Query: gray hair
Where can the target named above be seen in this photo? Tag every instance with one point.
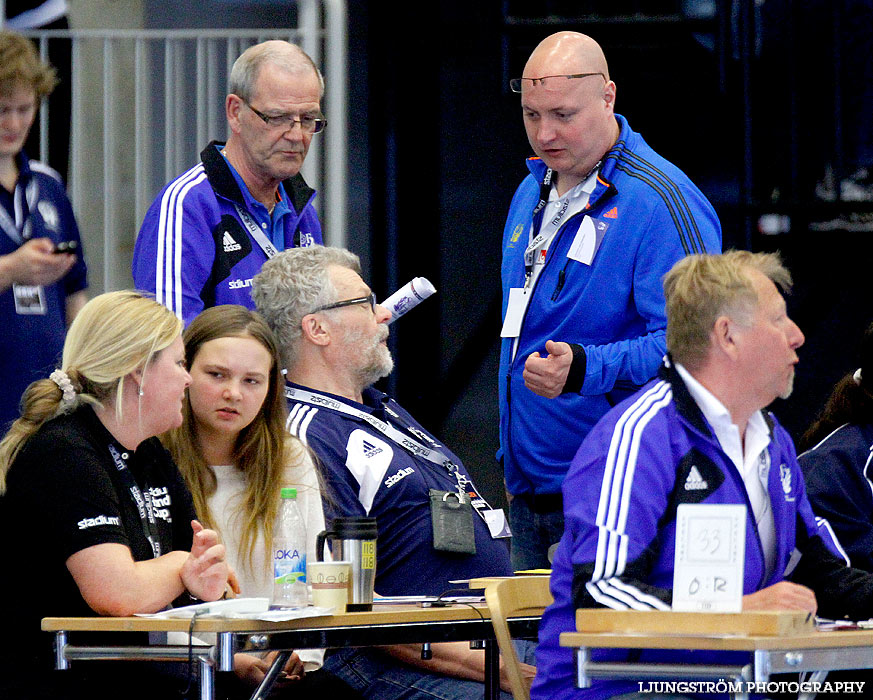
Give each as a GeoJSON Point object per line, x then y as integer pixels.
{"type": "Point", "coordinates": [285, 55]}
{"type": "Point", "coordinates": [700, 288]}
{"type": "Point", "coordinates": [294, 283]}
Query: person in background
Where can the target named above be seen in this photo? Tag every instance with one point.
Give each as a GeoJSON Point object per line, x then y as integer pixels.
{"type": "Point", "coordinates": [209, 231]}
{"type": "Point", "coordinates": [27, 15]}
{"type": "Point", "coordinates": [838, 457]}
{"type": "Point", "coordinates": [235, 455]}
{"type": "Point", "coordinates": [590, 233]}
{"type": "Point", "coordinates": [42, 288]}
{"type": "Point", "coordinates": [93, 512]}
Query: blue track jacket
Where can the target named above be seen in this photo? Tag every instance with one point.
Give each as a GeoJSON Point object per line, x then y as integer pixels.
{"type": "Point", "coordinates": [620, 500]}
{"type": "Point", "coordinates": [193, 251]}
{"type": "Point", "coordinates": [839, 480]}
{"type": "Point", "coordinates": [649, 215]}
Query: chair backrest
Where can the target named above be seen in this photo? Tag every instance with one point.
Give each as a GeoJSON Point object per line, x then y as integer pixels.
{"type": "Point", "coordinates": [513, 597]}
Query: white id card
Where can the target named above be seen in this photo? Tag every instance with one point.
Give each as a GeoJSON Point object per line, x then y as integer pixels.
{"type": "Point", "coordinates": [585, 243]}
{"type": "Point", "coordinates": [518, 299]}
{"type": "Point", "coordinates": [29, 300]}
{"type": "Point", "coordinates": [496, 521]}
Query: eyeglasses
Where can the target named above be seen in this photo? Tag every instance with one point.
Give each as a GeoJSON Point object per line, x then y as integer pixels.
{"type": "Point", "coordinates": [369, 299]}
{"type": "Point", "coordinates": [309, 125]}
{"type": "Point", "coordinates": [516, 83]}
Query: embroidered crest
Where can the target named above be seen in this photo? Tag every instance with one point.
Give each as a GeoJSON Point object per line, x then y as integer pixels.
{"type": "Point", "coordinates": [785, 478]}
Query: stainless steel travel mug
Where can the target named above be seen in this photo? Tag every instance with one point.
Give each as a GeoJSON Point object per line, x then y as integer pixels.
{"type": "Point", "coordinates": [354, 540]}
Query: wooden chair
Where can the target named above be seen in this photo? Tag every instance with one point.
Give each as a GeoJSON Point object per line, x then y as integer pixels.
{"type": "Point", "coordinates": [513, 597]}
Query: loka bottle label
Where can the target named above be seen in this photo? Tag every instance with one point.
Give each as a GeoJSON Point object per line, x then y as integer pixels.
{"type": "Point", "coordinates": [289, 565]}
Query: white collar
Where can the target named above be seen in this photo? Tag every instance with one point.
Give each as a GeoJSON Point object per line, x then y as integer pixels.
{"type": "Point", "coordinates": [584, 188]}
{"type": "Point", "coordinates": [717, 414]}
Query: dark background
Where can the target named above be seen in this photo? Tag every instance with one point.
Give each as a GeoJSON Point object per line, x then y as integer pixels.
{"type": "Point", "coordinates": [447, 149]}
{"type": "Point", "coordinates": [752, 104]}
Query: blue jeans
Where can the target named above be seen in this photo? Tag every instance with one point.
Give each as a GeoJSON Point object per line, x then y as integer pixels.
{"type": "Point", "coordinates": [378, 676]}
{"type": "Point", "coordinates": [532, 535]}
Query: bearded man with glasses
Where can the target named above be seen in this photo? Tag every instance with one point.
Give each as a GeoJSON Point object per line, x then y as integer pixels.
{"type": "Point", "coordinates": [590, 233]}
{"type": "Point", "coordinates": [209, 231]}
{"type": "Point", "coordinates": [379, 462]}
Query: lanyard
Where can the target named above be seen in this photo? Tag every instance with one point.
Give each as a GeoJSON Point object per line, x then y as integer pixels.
{"type": "Point", "coordinates": [256, 232]}
{"type": "Point", "coordinates": [536, 225]}
{"type": "Point", "coordinates": [432, 455]}
{"type": "Point", "coordinates": [536, 242]}
{"type": "Point", "coordinates": [143, 501]}
{"type": "Point", "coordinates": [19, 230]}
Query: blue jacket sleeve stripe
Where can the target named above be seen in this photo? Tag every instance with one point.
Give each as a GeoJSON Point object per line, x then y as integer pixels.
{"type": "Point", "coordinates": [667, 189]}
{"type": "Point", "coordinates": [621, 458]}
{"type": "Point", "coordinates": [824, 440]}
{"type": "Point", "coordinates": [823, 524]}
{"type": "Point", "coordinates": [678, 210]}
{"type": "Point", "coordinates": [168, 268]}
{"type": "Point", "coordinates": [615, 497]}
{"type": "Point", "coordinates": [616, 594]}
{"type": "Point", "coordinates": [632, 157]}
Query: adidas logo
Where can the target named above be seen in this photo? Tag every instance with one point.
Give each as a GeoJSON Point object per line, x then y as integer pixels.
{"type": "Point", "coordinates": [695, 482]}
{"type": "Point", "coordinates": [370, 450]}
{"type": "Point", "coordinates": [230, 245]}
{"type": "Point", "coordinates": [611, 214]}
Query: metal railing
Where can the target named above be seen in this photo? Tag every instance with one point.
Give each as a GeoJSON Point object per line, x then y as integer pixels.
{"type": "Point", "coordinates": [146, 102]}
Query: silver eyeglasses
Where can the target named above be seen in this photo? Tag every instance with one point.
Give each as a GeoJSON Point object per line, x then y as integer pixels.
{"type": "Point", "coordinates": [309, 125]}
{"type": "Point", "coordinates": [516, 83]}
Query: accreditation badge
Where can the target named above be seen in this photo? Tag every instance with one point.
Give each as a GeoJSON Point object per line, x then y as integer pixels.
{"type": "Point", "coordinates": [29, 300]}
{"type": "Point", "coordinates": [452, 521]}
{"type": "Point", "coordinates": [518, 299]}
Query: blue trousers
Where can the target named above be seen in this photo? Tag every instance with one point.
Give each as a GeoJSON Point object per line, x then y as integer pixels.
{"type": "Point", "coordinates": [378, 676]}
{"type": "Point", "coordinates": [532, 535]}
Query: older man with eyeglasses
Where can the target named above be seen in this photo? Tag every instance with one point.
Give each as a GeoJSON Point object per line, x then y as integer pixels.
{"type": "Point", "coordinates": [379, 462]}
{"type": "Point", "coordinates": [591, 231]}
{"type": "Point", "coordinates": [209, 231]}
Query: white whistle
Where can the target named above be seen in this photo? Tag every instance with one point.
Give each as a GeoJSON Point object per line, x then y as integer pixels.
{"type": "Point", "coordinates": [409, 295]}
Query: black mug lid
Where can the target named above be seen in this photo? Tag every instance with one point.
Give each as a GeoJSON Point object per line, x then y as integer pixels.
{"type": "Point", "coordinates": [355, 528]}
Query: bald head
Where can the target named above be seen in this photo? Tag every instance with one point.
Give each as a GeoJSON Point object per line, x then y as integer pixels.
{"type": "Point", "coordinates": [566, 52]}
{"type": "Point", "coordinates": [569, 118]}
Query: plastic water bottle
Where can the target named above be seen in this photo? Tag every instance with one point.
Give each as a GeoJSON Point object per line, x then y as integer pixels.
{"type": "Point", "coordinates": [289, 554]}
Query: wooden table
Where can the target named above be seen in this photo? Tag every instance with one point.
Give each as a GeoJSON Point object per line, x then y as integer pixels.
{"type": "Point", "coordinates": [793, 652]}
{"type": "Point", "coordinates": [386, 624]}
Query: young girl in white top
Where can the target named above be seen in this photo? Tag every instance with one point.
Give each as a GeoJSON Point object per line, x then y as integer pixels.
{"type": "Point", "coordinates": [236, 455]}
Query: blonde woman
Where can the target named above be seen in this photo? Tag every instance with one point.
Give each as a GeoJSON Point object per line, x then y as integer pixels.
{"type": "Point", "coordinates": [236, 455]}
{"type": "Point", "coordinates": [94, 515]}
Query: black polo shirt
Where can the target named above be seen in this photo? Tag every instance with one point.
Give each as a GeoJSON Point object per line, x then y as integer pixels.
{"type": "Point", "coordinates": [65, 494]}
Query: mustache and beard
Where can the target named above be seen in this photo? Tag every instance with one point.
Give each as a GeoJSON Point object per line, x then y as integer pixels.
{"type": "Point", "coordinates": [786, 392]}
{"type": "Point", "coordinates": [375, 361]}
